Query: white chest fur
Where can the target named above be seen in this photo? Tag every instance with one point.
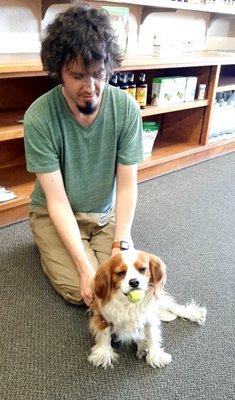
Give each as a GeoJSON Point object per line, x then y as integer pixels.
{"type": "Point", "coordinates": [129, 319]}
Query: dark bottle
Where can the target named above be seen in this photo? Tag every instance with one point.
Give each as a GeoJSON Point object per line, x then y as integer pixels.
{"type": "Point", "coordinates": [131, 84]}
{"type": "Point", "coordinates": [114, 81]}
{"type": "Point", "coordinates": [141, 91]}
{"type": "Point", "coordinates": [123, 82]}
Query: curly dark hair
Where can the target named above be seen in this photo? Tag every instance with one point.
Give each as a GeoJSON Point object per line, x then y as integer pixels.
{"type": "Point", "coordinates": [80, 31]}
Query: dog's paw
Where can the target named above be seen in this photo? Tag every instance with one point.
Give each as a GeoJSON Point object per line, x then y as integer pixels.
{"type": "Point", "coordinates": [141, 353]}
{"type": "Point", "coordinates": [102, 357]}
{"type": "Point", "coordinates": [158, 358]}
{"type": "Point", "coordinates": [142, 349]}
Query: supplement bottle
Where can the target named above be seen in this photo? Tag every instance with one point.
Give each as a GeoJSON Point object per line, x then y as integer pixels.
{"type": "Point", "coordinates": [123, 82]}
{"type": "Point", "coordinates": [141, 91]}
{"type": "Point", "coordinates": [114, 81]}
{"type": "Point", "coordinates": [131, 84]}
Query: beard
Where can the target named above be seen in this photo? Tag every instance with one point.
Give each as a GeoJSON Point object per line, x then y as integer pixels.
{"type": "Point", "coordinates": [88, 109]}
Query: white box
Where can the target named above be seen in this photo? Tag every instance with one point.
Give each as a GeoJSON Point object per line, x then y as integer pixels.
{"type": "Point", "coordinates": [190, 89]}
{"type": "Point", "coordinates": [163, 91]}
{"type": "Point", "coordinates": [179, 90]}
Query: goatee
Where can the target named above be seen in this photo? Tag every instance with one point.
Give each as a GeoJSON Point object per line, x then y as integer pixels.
{"type": "Point", "coordinates": [88, 109]}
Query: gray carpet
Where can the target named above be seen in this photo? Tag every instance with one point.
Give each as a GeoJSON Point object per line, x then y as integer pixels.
{"type": "Point", "coordinates": [187, 218]}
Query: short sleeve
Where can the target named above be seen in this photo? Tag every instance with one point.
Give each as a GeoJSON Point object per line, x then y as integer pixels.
{"type": "Point", "coordinates": [41, 156]}
{"type": "Point", "coordinates": [130, 142]}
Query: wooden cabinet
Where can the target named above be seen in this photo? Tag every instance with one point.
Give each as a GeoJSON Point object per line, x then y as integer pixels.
{"type": "Point", "coordinates": [182, 141]}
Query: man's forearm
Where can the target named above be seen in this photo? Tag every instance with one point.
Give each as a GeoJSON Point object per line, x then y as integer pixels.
{"type": "Point", "coordinates": [124, 213]}
{"type": "Point", "coordinates": [68, 230]}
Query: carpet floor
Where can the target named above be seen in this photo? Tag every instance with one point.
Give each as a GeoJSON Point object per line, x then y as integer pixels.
{"type": "Point", "coordinates": [187, 218]}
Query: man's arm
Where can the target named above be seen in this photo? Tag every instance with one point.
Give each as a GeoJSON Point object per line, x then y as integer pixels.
{"type": "Point", "coordinates": [66, 225]}
{"type": "Point", "coordinates": [126, 197]}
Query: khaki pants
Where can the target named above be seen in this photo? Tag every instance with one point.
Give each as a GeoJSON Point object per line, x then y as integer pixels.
{"type": "Point", "coordinates": [97, 233]}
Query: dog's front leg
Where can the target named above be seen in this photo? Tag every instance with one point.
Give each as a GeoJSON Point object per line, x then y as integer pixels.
{"type": "Point", "coordinates": [156, 355]}
{"type": "Point", "coordinates": [102, 353]}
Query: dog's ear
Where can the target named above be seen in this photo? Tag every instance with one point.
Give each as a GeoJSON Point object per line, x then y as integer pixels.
{"type": "Point", "coordinates": [157, 272]}
{"type": "Point", "coordinates": [102, 281]}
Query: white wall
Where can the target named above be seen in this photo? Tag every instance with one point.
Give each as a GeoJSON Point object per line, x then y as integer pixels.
{"type": "Point", "coordinates": [20, 26]}
{"type": "Point", "coordinates": [221, 33]}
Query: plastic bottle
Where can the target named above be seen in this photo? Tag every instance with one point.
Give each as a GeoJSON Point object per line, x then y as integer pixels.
{"type": "Point", "coordinates": [141, 91]}
{"type": "Point", "coordinates": [156, 46]}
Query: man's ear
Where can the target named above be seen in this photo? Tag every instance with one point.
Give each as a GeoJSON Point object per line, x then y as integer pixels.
{"type": "Point", "coordinates": [102, 282]}
{"type": "Point", "coordinates": [157, 272]}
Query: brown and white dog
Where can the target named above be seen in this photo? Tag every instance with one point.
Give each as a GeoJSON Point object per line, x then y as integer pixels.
{"type": "Point", "coordinates": [114, 313]}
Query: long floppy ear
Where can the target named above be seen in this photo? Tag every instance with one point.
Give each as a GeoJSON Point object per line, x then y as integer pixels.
{"type": "Point", "coordinates": [157, 272]}
{"type": "Point", "coordinates": [102, 281]}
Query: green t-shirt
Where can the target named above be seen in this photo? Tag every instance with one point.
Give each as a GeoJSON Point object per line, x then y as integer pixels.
{"type": "Point", "coordinates": [87, 157]}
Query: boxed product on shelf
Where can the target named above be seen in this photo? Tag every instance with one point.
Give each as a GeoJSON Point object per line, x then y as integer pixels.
{"type": "Point", "coordinates": [162, 91]}
{"type": "Point", "coordinates": [150, 131]}
{"type": "Point", "coordinates": [223, 122]}
{"type": "Point", "coordinates": [167, 91]}
{"type": "Point", "coordinates": [179, 89]}
{"type": "Point", "coordinates": [119, 17]}
{"type": "Point", "coordinates": [190, 88]}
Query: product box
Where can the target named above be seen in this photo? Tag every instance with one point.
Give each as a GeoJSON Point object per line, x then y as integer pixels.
{"type": "Point", "coordinates": [190, 89]}
{"type": "Point", "coordinates": [179, 89]}
{"type": "Point", "coordinates": [163, 91]}
{"type": "Point", "coordinates": [150, 131]}
{"type": "Point", "coordinates": [119, 17]}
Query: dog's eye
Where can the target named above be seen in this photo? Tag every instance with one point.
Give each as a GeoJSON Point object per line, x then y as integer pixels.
{"type": "Point", "coordinates": [120, 273]}
{"type": "Point", "coordinates": [142, 270]}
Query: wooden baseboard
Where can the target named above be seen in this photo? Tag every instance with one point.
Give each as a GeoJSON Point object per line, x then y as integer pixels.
{"type": "Point", "coordinates": [183, 160]}
{"type": "Point", "coordinates": [13, 215]}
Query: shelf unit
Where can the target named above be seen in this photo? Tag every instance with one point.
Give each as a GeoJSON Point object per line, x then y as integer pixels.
{"type": "Point", "coordinates": [182, 141]}
{"type": "Point", "coordinates": [157, 5]}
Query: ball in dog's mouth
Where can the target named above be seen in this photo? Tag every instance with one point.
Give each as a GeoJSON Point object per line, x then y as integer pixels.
{"type": "Point", "coordinates": [136, 295]}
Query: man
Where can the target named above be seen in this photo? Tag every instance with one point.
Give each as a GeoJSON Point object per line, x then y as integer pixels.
{"type": "Point", "coordinates": [83, 139]}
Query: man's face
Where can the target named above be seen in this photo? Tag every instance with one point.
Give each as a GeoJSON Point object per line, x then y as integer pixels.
{"type": "Point", "coordinates": [84, 88]}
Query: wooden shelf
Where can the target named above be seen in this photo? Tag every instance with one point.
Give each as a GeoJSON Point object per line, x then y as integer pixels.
{"type": "Point", "coordinates": [168, 151]}
{"type": "Point", "coordinates": [226, 83]}
{"type": "Point", "coordinates": [23, 65]}
{"type": "Point", "coordinates": [18, 180]}
{"type": "Point", "coordinates": [10, 128]}
{"type": "Point", "coordinates": [172, 156]}
{"type": "Point", "coordinates": [163, 5]}
{"type": "Point", "coordinates": [20, 65]}
{"type": "Point", "coordinates": [154, 110]}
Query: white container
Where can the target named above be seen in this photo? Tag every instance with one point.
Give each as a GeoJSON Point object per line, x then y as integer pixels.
{"type": "Point", "coordinates": [201, 92]}
{"type": "Point", "coordinates": [150, 131]}
{"type": "Point", "coordinates": [156, 46]}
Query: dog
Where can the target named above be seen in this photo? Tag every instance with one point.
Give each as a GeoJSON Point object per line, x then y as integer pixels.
{"type": "Point", "coordinates": [113, 314]}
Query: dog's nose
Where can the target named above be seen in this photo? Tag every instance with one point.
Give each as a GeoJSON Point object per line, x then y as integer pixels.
{"type": "Point", "coordinates": [134, 283]}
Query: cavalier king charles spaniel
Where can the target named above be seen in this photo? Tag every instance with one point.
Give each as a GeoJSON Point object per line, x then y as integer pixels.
{"type": "Point", "coordinates": [116, 313]}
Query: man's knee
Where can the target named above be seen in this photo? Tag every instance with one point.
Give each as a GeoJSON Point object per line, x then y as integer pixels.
{"type": "Point", "coordinates": [71, 295]}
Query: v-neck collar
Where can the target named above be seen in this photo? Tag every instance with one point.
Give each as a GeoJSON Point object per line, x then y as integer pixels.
{"type": "Point", "coordinates": [69, 113]}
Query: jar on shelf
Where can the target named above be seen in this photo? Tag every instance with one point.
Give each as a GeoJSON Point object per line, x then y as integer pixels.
{"type": "Point", "coordinates": [201, 91]}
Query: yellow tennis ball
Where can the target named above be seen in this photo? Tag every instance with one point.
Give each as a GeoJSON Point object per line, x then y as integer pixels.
{"type": "Point", "coordinates": [136, 295]}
